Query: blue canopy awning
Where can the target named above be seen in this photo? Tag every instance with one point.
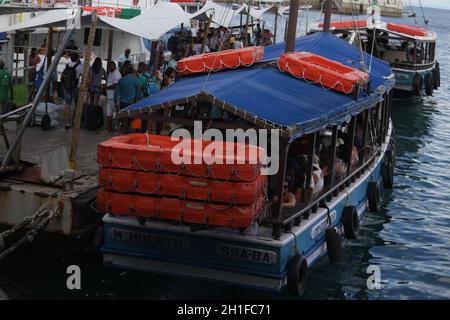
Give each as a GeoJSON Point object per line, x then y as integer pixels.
{"type": "Point", "coordinates": [277, 98]}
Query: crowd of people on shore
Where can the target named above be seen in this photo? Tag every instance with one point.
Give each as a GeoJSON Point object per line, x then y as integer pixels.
{"type": "Point", "coordinates": [125, 82]}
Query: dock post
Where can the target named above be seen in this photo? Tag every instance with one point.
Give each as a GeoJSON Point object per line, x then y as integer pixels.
{"type": "Point", "coordinates": [82, 94]}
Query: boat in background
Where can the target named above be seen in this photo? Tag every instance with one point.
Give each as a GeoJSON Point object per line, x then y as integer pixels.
{"type": "Point", "coordinates": [410, 51]}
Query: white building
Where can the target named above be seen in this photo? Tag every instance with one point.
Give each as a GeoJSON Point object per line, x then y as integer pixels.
{"type": "Point", "coordinates": [391, 8]}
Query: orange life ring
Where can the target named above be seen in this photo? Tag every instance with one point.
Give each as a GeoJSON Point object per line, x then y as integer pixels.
{"type": "Point", "coordinates": [406, 29]}
{"type": "Point", "coordinates": [328, 73]}
{"type": "Point", "coordinates": [216, 61]}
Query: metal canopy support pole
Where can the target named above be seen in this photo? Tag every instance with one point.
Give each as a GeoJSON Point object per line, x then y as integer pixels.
{"type": "Point", "coordinates": [365, 134]}
{"type": "Point", "coordinates": [309, 168]}
{"type": "Point", "coordinates": [351, 129]}
{"type": "Point", "coordinates": [292, 26]}
{"type": "Point", "coordinates": [327, 16]}
{"type": "Point", "coordinates": [82, 94]}
{"type": "Point", "coordinates": [332, 178]}
{"type": "Point", "coordinates": [278, 206]}
{"type": "Point", "coordinates": [38, 96]}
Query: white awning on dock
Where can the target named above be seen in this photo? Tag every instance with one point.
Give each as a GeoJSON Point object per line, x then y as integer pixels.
{"type": "Point", "coordinates": [223, 15]}
{"type": "Point", "coordinates": [150, 24]}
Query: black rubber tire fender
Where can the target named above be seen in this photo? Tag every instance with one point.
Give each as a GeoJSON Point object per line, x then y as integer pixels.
{"type": "Point", "coordinates": [333, 241]}
{"type": "Point", "coordinates": [387, 170]}
{"type": "Point", "coordinates": [417, 84]}
{"type": "Point", "coordinates": [297, 275]}
{"type": "Point", "coordinates": [374, 196]}
{"type": "Point", "coordinates": [350, 220]}
{"type": "Point", "coordinates": [429, 84]}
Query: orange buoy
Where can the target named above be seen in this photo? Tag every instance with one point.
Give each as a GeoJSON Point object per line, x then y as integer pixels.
{"type": "Point", "coordinates": [216, 61]}
{"type": "Point", "coordinates": [407, 29]}
{"type": "Point", "coordinates": [347, 24]}
{"type": "Point", "coordinates": [328, 73]}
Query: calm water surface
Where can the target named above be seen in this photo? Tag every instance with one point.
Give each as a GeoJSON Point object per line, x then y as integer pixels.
{"type": "Point", "coordinates": [409, 239]}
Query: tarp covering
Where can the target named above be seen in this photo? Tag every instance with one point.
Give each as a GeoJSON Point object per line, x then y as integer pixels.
{"type": "Point", "coordinates": [53, 18]}
{"type": "Point", "coordinates": [151, 24]}
{"type": "Point", "coordinates": [281, 100]}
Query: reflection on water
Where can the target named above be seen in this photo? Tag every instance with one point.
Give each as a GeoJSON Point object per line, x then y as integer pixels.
{"type": "Point", "coordinates": [408, 239]}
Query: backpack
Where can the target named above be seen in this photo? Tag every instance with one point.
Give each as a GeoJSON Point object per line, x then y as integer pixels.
{"type": "Point", "coordinates": [152, 87]}
{"type": "Point", "coordinates": [69, 78]}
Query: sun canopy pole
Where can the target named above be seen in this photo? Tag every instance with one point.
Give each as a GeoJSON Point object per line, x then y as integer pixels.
{"type": "Point", "coordinates": [292, 26]}
{"type": "Point", "coordinates": [39, 94]}
{"type": "Point", "coordinates": [327, 16]}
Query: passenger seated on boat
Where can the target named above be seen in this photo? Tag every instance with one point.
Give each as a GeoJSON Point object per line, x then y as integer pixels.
{"type": "Point", "coordinates": [340, 166]}
{"type": "Point", "coordinates": [288, 198]}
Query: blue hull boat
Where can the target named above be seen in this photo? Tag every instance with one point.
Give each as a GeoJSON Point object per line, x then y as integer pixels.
{"type": "Point", "coordinates": [284, 244]}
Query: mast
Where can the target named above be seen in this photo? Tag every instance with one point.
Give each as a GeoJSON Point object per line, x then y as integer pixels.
{"type": "Point", "coordinates": [327, 15]}
{"type": "Point", "coordinates": [292, 26]}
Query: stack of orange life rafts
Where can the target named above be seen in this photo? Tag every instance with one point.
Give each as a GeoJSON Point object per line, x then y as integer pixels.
{"type": "Point", "coordinates": [139, 178]}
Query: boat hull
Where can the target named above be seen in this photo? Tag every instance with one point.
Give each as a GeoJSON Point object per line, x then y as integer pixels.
{"type": "Point", "coordinates": [404, 83]}
{"type": "Point", "coordinates": [253, 259]}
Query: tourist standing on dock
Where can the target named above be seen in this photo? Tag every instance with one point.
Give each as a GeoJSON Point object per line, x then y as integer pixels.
{"type": "Point", "coordinates": [6, 86]}
{"type": "Point", "coordinates": [70, 79]}
{"type": "Point", "coordinates": [96, 75]}
{"type": "Point", "coordinates": [124, 57]}
{"type": "Point", "coordinates": [113, 78]}
{"type": "Point", "coordinates": [33, 61]}
{"type": "Point", "coordinates": [65, 59]}
{"type": "Point", "coordinates": [126, 93]}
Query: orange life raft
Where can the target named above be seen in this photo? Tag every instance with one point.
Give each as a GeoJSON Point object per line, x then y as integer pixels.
{"type": "Point", "coordinates": [347, 24]}
{"type": "Point", "coordinates": [154, 153]}
{"type": "Point", "coordinates": [320, 70]}
{"type": "Point", "coordinates": [407, 29]}
{"type": "Point", "coordinates": [150, 183]}
{"type": "Point", "coordinates": [124, 204]}
{"type": "Point", "coordinates": [216, 61]}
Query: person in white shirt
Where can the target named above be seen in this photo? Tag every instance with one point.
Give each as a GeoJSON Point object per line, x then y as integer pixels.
{"type": "Point", "coordinates": [124, 57]}
{"type": "Point", "coordinates": [65, 59]}
{"type": "Point", "coordinates": [113, 78]}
